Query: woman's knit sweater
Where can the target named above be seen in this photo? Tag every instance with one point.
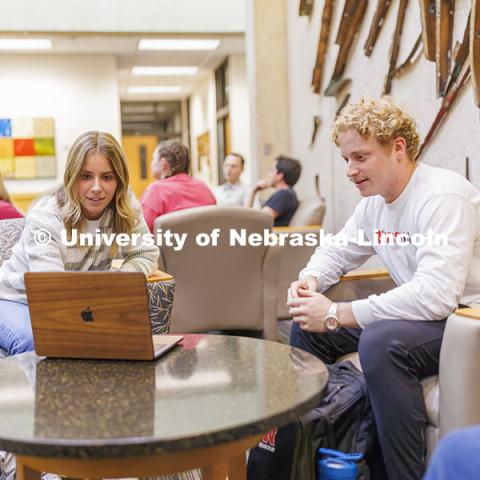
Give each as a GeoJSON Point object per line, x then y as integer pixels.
{"type": "Point", "coordinates": [41, 249]}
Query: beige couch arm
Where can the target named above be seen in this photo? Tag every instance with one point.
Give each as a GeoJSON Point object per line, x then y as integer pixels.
{"type": "Point", "coordinates": [360, 284]}
{"type": "Point", "coordinates": [365, 275]}
{"type": "Point", "coordinates": [298, 229]}
{"type": "Point", "coordinates": [460, 371]}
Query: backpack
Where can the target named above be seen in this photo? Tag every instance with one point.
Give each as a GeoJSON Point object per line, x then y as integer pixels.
{"type": "Point", "coordinates": [343, 420]}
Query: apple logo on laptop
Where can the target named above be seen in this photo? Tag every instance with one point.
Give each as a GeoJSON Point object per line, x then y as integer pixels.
{"type": "Point", "coordinates": [87, 315]}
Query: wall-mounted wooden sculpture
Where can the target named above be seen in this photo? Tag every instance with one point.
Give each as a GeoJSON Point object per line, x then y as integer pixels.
{"type": "Point", "coordinates": [412, 57]}
{"type": "Point", "coordinates": [325, 28]}
{"type": "Point", "coordinates": [458, 78]}
{"type": "Point", "coordinates": [460, 55]}
{"type": "Point", "coordinates": [317, 121]}
{"type": "Point", "coordinates": [343, 102]}
{"type": "Point", "coordinates": [447, 102]}
{"type": "Point", "coordinates": [395, 48]}
{"type": "Point", "coordinates": [352, 17]}
{"type": "Point", "coordinates": [349, 11]}
{"type": "Point", "coordinates": [377, 24]}
{"type": "Point", "coordinates": [445, 14]}
{"type": "Point", "coordinates": [475, 49]}
{"type": "Point", "coordinates": [428, 18]}
{"type": "Point", "coordinates": [454, 66]}
{"type": "Point", "coordinates": [305, 7]}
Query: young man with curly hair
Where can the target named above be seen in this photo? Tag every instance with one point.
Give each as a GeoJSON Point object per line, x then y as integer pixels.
{"type": "Point", "coordinates": [174, 188]}
{"type": "Point", "coordinates": [398, 334]}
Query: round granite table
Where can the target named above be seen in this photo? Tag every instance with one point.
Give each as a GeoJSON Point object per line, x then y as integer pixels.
{"type": "Point", "coordinates": [200, 406]}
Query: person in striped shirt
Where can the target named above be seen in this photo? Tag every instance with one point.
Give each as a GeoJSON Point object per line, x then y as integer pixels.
{"type": "Point", "coordinates": [93, 198]}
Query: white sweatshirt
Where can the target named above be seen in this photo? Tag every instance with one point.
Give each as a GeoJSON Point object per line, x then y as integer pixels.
{"type": "Point", "coordinates": [431, 279]}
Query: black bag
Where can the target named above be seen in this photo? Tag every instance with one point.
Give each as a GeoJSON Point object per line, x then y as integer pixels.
{"type": "Point", "coordinates": [343, 420]}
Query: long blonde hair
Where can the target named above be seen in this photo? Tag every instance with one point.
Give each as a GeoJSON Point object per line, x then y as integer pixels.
{"type": "Point", "coordinates": [3, 191]}
{"type": "Point", "coordinates": [123, 215]}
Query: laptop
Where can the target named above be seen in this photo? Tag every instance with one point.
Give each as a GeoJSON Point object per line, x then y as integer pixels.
{"type": "Point", "coordinates": [94, 315]}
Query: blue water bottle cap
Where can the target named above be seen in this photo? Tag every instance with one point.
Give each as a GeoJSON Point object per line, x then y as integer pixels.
{"type": "Point", "coordinates": [336, 469]}
{"type": "Point", "coordinates": [330, 452]}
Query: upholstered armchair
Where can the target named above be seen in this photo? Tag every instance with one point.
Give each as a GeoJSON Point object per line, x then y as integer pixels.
{"type": "Point", "coordinates": [10, 232]}
{"type": "Point", "coordinates": [160, 291]}
{"type": "Point", "coordinates": [160, 286]}
{"type": "Point", "coordinates": [227, 286]}
{"type": "Point", "coordinates": [452, 397]}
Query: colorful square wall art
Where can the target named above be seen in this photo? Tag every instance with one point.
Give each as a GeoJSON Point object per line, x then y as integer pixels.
{"type": "Point", "coordinates": [27, 148]}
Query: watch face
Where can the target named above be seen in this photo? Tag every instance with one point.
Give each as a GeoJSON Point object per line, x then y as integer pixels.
{"type": "Point", "coordinates": [331, 323]}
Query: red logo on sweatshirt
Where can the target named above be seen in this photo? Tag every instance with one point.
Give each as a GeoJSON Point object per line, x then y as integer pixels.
{"type": "Point", "coordinates": [268, 442]}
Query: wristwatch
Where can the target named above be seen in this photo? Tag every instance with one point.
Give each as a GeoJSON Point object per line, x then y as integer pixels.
{"type": "Point", "coordinates": [331, 321]}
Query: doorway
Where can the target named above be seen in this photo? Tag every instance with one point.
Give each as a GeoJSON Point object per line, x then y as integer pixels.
{"type": "Point", "coordinates": [144, 125]}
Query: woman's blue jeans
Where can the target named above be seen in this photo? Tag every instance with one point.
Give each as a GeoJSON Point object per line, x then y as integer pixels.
{"type": "Point", "coordinates": [15, 327]}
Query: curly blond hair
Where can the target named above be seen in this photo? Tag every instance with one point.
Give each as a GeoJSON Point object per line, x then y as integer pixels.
{"type": "Point", "coordinates": [382, 119]}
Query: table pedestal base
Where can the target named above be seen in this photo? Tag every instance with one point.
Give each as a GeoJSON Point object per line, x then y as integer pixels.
{"type": "Point", "coordinates": [216, 463]}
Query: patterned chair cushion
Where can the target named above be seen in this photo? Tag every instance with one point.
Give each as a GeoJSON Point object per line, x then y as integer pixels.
{"type": "Point", "coordinates": [10, 232]}
{"type": "Point", "coordinates": [160, 293]}
{"type": "Point", "coordinates": [160, 303]}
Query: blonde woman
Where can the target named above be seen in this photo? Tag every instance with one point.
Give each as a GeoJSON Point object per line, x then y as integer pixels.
{"type": "Point", "coordinates": [94, 198]}
{"type": "Point", "coordinates": [7, 210]}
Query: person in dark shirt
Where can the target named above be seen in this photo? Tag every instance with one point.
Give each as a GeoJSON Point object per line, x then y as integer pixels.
{"type": "Point", "coordinates": [283, 203]}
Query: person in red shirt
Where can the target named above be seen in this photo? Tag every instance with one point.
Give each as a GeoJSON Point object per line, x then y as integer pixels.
{"type": "Point", "coordinates": [7, 210]}
{"type": "Point", "coordinates": [174, 189]}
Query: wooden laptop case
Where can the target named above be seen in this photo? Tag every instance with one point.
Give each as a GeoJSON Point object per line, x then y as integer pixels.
{"type": "Point", "coordinates": [98, 315]}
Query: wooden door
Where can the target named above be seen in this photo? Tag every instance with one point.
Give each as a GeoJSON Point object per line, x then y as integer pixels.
{"type": "Point", "coordinates": [139, 151]}
{"type": "Point", "coordinates": [228, 137]}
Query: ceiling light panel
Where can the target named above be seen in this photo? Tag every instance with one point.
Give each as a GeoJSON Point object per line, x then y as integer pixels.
{"type": "Point", "coordinates": [139, 118]}
{"type": "Point", "coordinates": [186, 44]}
{"type": "Point", "coordinates": [25, 44]}
{"type": "Point", "coordinates": [164, 71]}
{"type": "Point", "coordinates": [138, 109]}
{"type": "Point", "coordinates": [155, 89]}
